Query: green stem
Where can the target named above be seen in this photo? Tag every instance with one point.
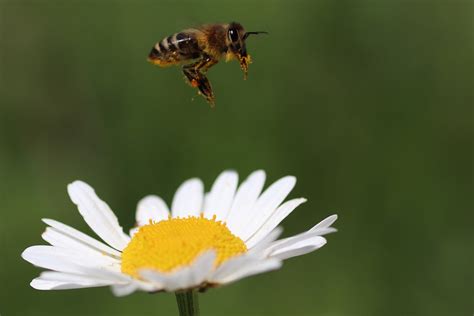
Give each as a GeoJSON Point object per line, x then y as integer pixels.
{"type": "Point", "coordinates": [188, 303]}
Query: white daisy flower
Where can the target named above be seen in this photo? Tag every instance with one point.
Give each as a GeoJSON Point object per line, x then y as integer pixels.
{"type": "Point", "coordinates": [204, 240]}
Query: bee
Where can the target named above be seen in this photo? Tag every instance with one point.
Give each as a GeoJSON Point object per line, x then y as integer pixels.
{"type": "Point", "coordinates": [201, 48]}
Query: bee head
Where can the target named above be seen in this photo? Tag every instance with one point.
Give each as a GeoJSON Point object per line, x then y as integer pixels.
{"type": "Point", "coordinates": [236, 37]}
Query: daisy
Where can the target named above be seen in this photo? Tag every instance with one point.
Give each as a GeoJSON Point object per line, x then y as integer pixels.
{"type": "Point", "coordinates": [202, 241]}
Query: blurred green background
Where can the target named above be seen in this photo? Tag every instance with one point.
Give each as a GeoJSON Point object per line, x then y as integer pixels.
{"type": "Point", "coordinates": [368, 103]}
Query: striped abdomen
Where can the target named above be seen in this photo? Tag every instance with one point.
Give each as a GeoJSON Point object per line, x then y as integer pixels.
{"type": "Point", "coordinates": [174, 49]}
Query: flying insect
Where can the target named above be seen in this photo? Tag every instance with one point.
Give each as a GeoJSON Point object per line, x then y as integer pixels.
{"type": "Point", "coordinates": [198, 49]}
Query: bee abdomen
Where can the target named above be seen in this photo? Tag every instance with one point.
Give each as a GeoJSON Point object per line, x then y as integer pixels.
{"type": "Point", "coordinates": [173, 49]}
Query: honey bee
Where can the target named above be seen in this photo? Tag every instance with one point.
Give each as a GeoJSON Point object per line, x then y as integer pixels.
{"type": "Point", "coordinates": [201, 48]}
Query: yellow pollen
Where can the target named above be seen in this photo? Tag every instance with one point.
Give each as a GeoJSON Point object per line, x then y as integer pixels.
{"type": "Point", "coordinates": [176, 242]}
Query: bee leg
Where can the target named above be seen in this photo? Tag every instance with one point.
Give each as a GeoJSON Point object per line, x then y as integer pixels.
{"type": "Point", "coordinates": [205, 89]}
{"type": "Point", "coordinates": [191, 76]}
{"type": "Point", "coordinates": [198, 80]}
{"type": "Point", "coordinates": [196, 77]}
{"type": "Point", "coordinates": [206, 63]}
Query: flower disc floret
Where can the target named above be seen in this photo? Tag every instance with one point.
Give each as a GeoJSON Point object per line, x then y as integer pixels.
{"type": "Point", "coordinates": [177, 242]}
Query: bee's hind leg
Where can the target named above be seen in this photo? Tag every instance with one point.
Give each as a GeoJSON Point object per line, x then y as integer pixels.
{"type": "Point", "coordinates": [198, 79]}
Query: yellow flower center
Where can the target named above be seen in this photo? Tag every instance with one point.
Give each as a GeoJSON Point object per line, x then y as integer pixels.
{"type": "Point", "coordinates": [176, 242]}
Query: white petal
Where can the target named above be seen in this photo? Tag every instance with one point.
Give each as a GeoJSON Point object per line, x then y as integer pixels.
{"type": "Point", "coordinates": [244, 268]}
{"type": "Point", "coordinates": [154, 277]}
{"type": "Point", "coordinates": [279, 215]}
{"type": "Point", "coordinates": [231, 265]}
{"type": "Point", "coordinates": [153, 208]}
{"type": "Point", "coordinates": [40, 284]}
{"type": "Point", "coordinates": [75, 262]}
{"type": "Point", "coordinates": [53, 258]}
{"type": "Point", "coordinates": [75, 236]}
{"type": "Point", "coordinates": [267, 204]}
{"type": "Point", "coordinates": [257, 268]}
{"type": "Point", "coordinates": [132, 286]}
{"type": "Point", "coordinates": [318, 230]}
{"type": "Point", "coordinates": [97, 215]}
{"type": "Point", "coordinates": [121, 290]}
{"type": "Point", "coordinates": [220, 198]}
{"type": "Point", "coordinates": [133, 231]}
{"type": "Point", "coordinates": [282, 243]}
{"type": "Point", "coordinates": [188, 199]}
{"type": "Point", "coordinates": [323, 227]}
{"type": "Point", "coordinates": [296, 252]}
{"type": "Point", "coordinates": [59, 240]}
{"type": "Point", "coordinates": [184, 278]}
{"type": "Point", "coordinates": [261, 248]}
{"type": "Point", "coordinates": [244, 200]}
{"type": "Point", "coordinates": [250, 258]}
{"type": "Point", "coordinates": [206, 199]}
{"type": "Point", "coordinates": [325, 231]}
{"type": "Point", "coordinates": [51, 280]}
{"type": "Point", "coordinates": [201, 268]}
{"type": "Point", "coordinates": [298, 246]}
{"type": "Point", "coordinates": [73, 278]}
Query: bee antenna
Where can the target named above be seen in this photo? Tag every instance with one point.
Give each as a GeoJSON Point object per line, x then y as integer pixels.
{"type": "Point", "coordinates": [255, 33]}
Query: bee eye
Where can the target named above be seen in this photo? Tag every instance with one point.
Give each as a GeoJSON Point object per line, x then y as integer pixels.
{"type": "Point", "coordinates": [233, 35]}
